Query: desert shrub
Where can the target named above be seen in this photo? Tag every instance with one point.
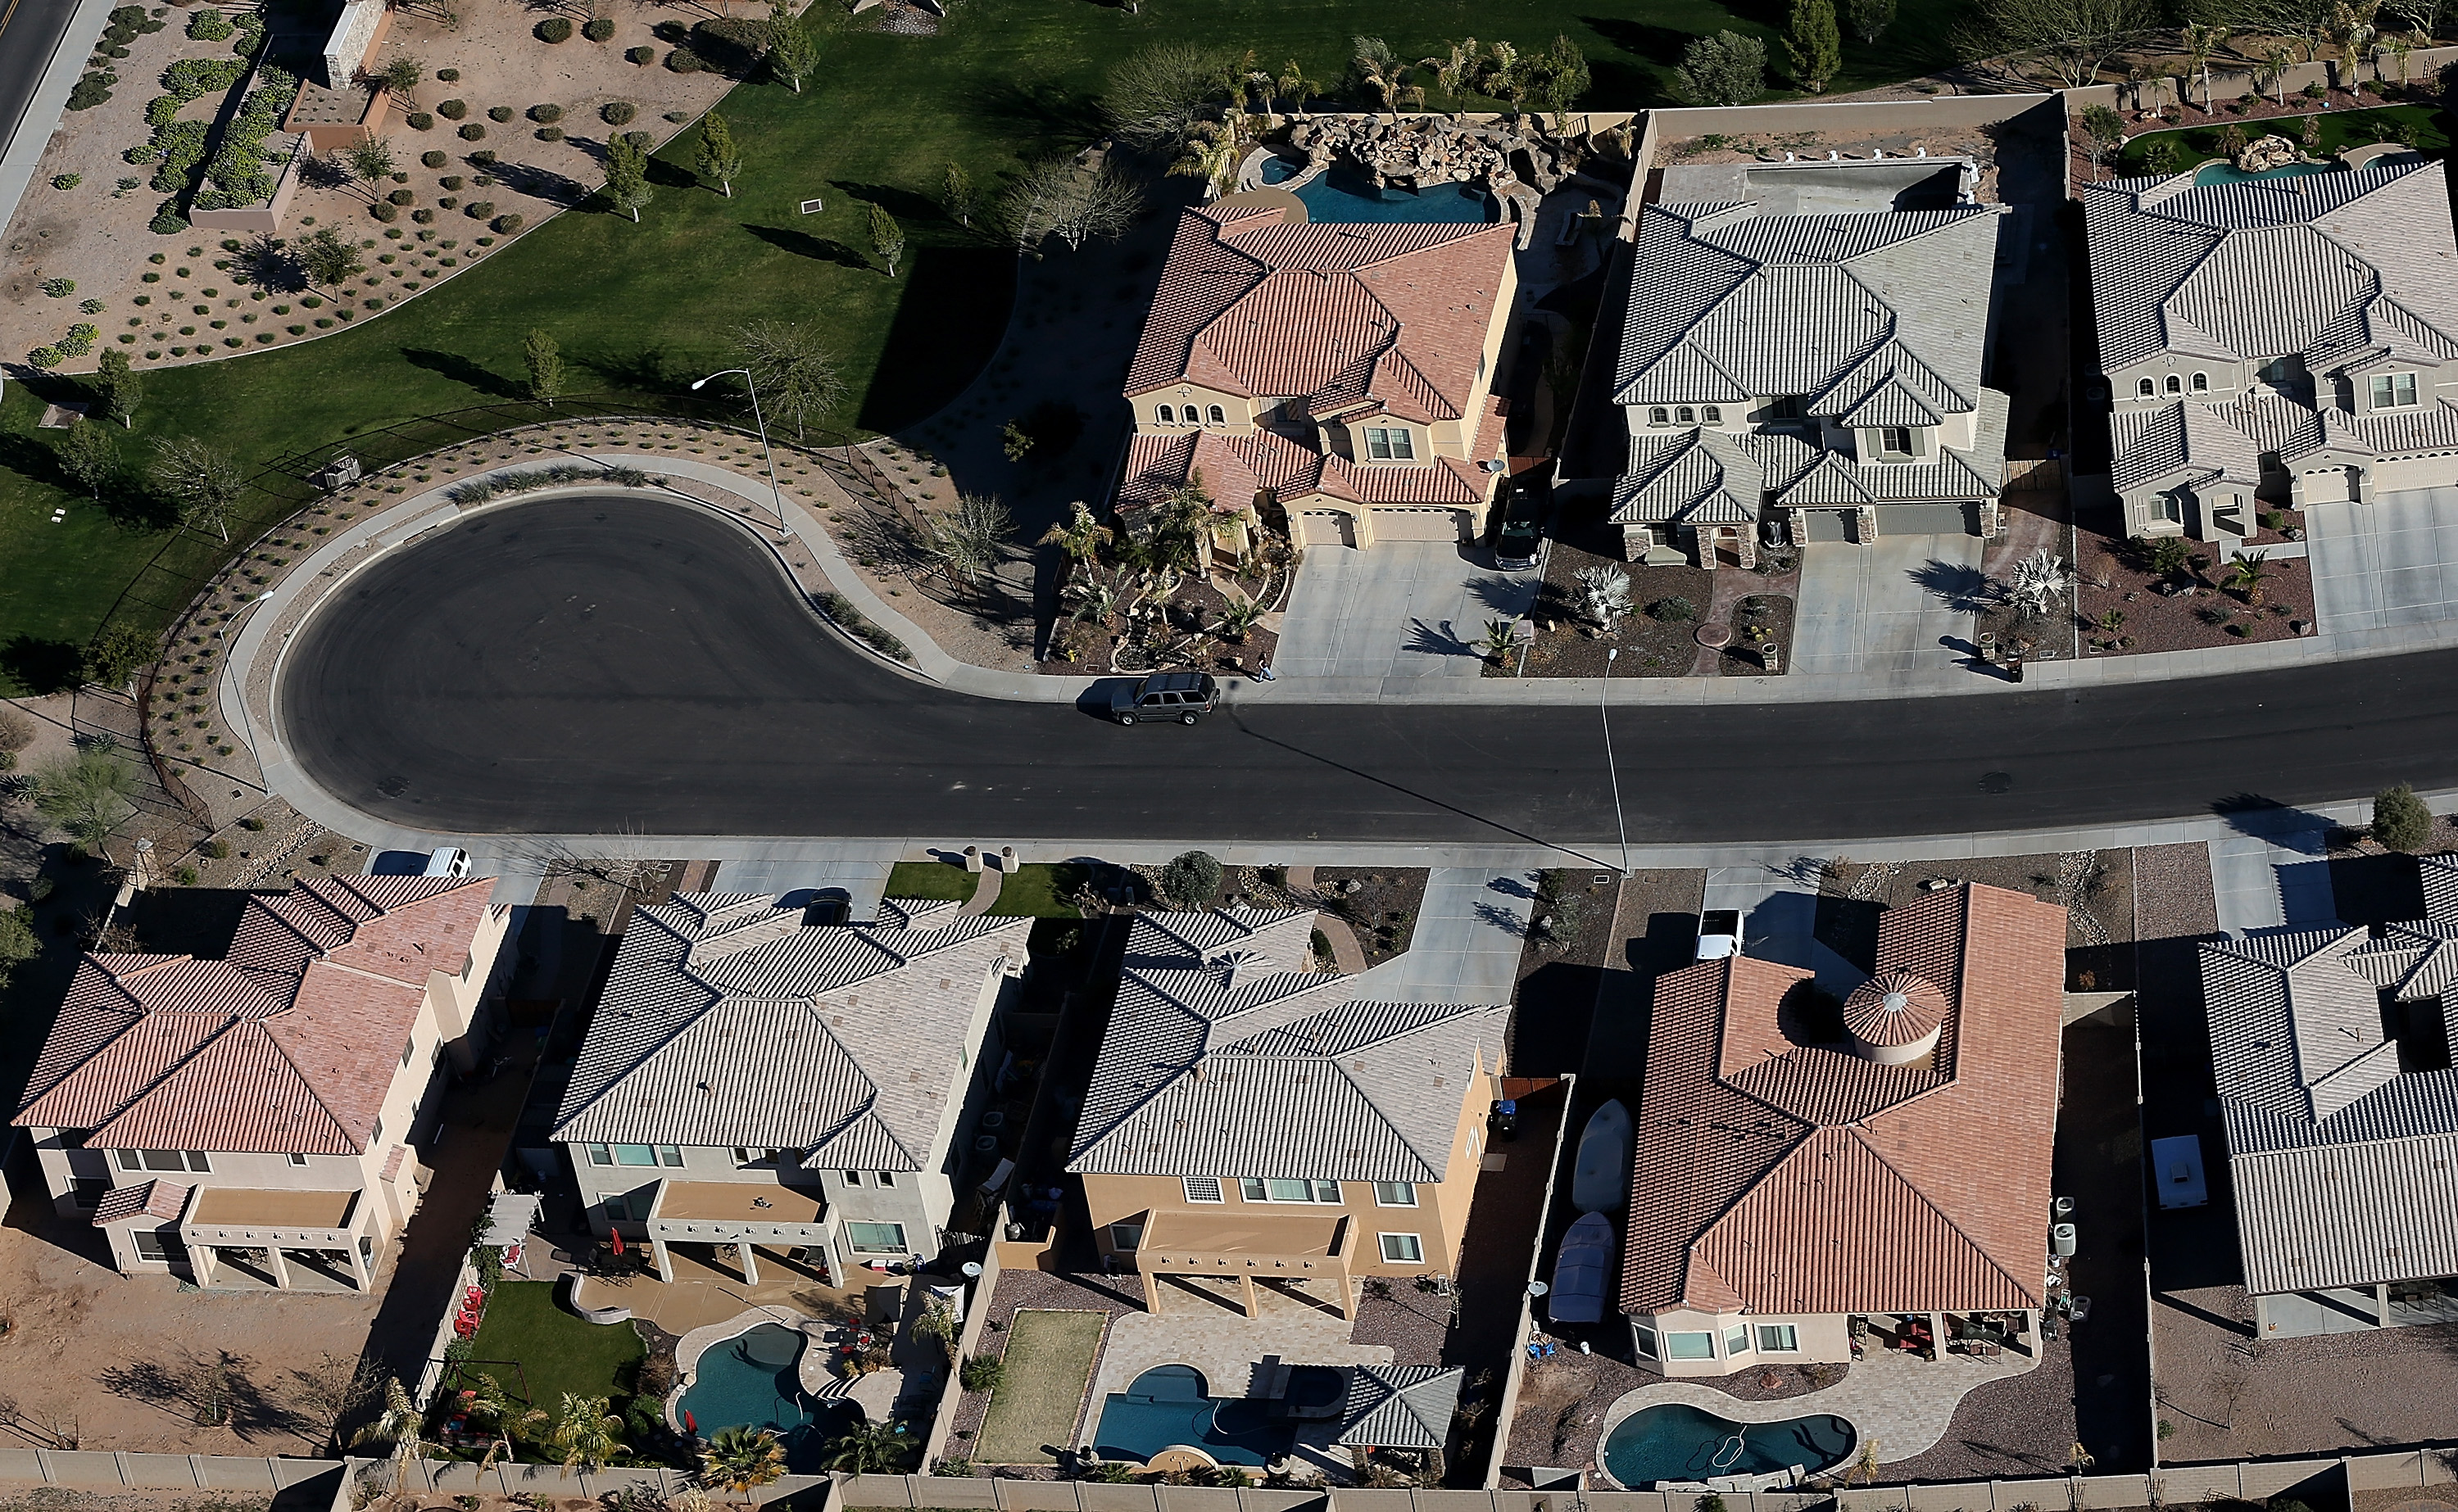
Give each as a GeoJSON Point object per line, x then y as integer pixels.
{"type": "Point", "coordinates": [472, 131]}
{"type": "Point", "coordinates": [598, 29]}
{"type": "Point", "coordinates": [403, 197]}
{"type": "Point", "coordinates": [419, 121]}
{"type": "Point", "coordinates": [505, 225]}
{"type": "Point", "coordinates": [450, 183]}
{"type": "Point", "coordinates": [1671, 609]}
{"type": "Point", "coordinates": [618, 113]}
{"type": "Point", "coordinates": [550, 133]}
{"type": "Point", "coordinates": [433, 159]}
{"type": "Point", "coordinates": [480, 209]}
{"type": "Point", "coordinates": [453, 109]}
{"type": "Point", "coordinates": [546, 115]}
{"type": "Point", "coordinates": [984, 1373]}
{"type": "Point", "coordinates": [640, 57]}
{"type": "Point", "coordinates": [449, 75]}
{"type": "Point", "coordinates": [483, 157]}
{"type": "Point", "coordinates": [1191, 879]}
{"type": "Point", "coordinates": [214, 850]}
{"type": "Point", "coordinates": [209, 25]}
{"type": "Point", "coordinates": [499, 113]}
{"type": "Point", "coordinates": [683, 60]}
{"type": "Point", "coordinates": [2400, 820]}
{"type": "Point", "coordinates": [90, 91]}
{"type": "Point", "coordinates": [384, 210]}
{"type": "Point", "coordinates": [423, 215]}
{"type": "Point", "coordinates": [555, 29]}
{"type": "Point", "coordinates": [67, 181]}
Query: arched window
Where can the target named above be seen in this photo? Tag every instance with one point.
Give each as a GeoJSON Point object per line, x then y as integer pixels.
{"type": "Point", "coordinates": [1168, 417]}
{"type": "Point", "coordinates": [2201, 382]}
{"type": "Point", "coordinates": [1715, 414]}
{"type": "Point", "coordinates": [1218, 417]}
{"type": "Point", "coordinates": [2175, 384]}
{"type": "Point", "coordinates": [1689, 416]}
{"type": "Point", "coordinates": [1657, 417]}
{"type": "Point", "coordinates": [2147, 389]}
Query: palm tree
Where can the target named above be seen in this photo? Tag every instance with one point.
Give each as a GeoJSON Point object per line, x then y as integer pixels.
{"type": "Point", "coordinates": [2200, 42]}
{"type": "Point", "coordinates": [2401, 46]}
{"type": "Point", "coordinates": [585, 1433]}
{"type": "Point", "coordinates": [2247, 571]}
{"type": "Point", "coordinates": [1238, 618]}
{"type": "Point", "coordinates": [742, 1458]}
{"type": "Point", "coordinates": [1456, 70]}
{"type": "Point", "coordinates": [1080, 535]}
{"type": "Point", "coordinates": [1378, 70]}
{"type": "Point", "coordinates": [2275, 64]}
{"type": "Point", "coordinates": [400, 1426]}
{"type": "Point", "coordinates": [1212, 152]}
{"type": "Point", "coordinates": [1500, 637]}
{"type": "Point", "coordinates": [875, 1448]}
{"type": "Point", "coordinates": [2351, 33]}
{"type": "Point", "coordinates": [1096, 598]}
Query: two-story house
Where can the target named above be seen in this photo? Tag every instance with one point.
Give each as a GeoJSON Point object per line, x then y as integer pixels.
{"type": "Point", "coordinates": [758, 1078]}
{"type": "Point", "coordinates": [1807, 376]}
{"type": "Point", "coordinates": [1806, 1178]}
{"type": "Point", "coordinates": [1339, 375]}
{"type": "Point", "coordinates": [1251, 1120]}
{"type": "Point", "coordinates": [242, 1119]}
{"type": "Point", "coordinates": [2289, 338]}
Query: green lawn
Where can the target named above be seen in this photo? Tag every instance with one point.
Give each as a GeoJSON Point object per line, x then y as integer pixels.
{"type": "Point", "coordinates": [2427, 129]}
{"type": "Point", "coordinates": [933, 882]}
{"type": "Point", "coordinates": [556, 1351]}
{"type": "Point", "coordinates": [1049, 1368]}
{"type": "Point", "coordinates": [641, 310]}
{"type": "Point", "coordinates": [1040, 892]}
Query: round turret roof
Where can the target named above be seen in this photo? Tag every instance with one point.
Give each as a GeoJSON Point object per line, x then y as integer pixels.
{"type": "Point", "coordinates": [1897, 1008]}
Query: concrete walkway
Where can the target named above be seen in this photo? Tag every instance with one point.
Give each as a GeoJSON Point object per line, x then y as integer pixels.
{"type": "Point", "coordinates": [1401, 611]}
{"type": "Point", "coordinates": [1865, 617]}
{"type": "Point", "coordinates": [1467, 946]}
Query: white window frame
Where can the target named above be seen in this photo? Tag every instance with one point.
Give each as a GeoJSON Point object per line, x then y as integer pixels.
{"type": "Point", "coordinates": [1779, 1338]}
{"type": "Point", "coordinates": [599, 1155]}
{"type": "Point", "coordinates": [650, 1150]}
{"type": "Point", "coordinates": [1410, 1241]}
{"type": "Point", "coordinates": [898, 1248]}
{"type": "Point", "coordinates": [1714, 413]}
{"type": "Point", "coordinates": [886, 1178]}
{"type": "Point", "coordinates": [1888, 438]}
{"type": "Point", "coordinates": [163, 1239]}
{"type": "Point", "coordinates": [297, 1159]}
{"type": "Point", "coordinates": [1674, 1349]}
{"type": "Point", "coordinates": [670, 1156]}
{"type": "Point", "coordinates": [1395, 1194]}
{"type": "Point", "coordinates": [1259, 1189]}
{"type": "Point", "coordinates": [1685, 415]}
{"type": "Point", "coordinates": [2394, 390]}
{"type": "Point", "coordinates": [1737, 1340]}
{"type": "Point", "coordinates": [1164, 415]}
{"type": "Point", "coordinates": [1645, 1340]}
{"type": "Point", "coordinates": [2146, 389]}
{"type": "Point", "coordinates": [1126, 1236]}
{"type": "Point", "coordinates": [1219, 416]}
{"type": "Point", "coordinates": [1201, 1189]}
{"type": "Point", "coordinates": [1658, 415]}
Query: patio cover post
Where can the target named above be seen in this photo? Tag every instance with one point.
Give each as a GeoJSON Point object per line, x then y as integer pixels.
{"type": "Point", "coordinates": [1246, 1283]}
{"type": "Point", "coordinates": [281, 1267]}
{"type": "Point", "coordinates": [201, 1260]}
{"type": "Point", "coordinates": [1152, 1291]}
{"type": "Point", "coordinates": [750, 1266]}
{"type": "Point", "coordinates": [2380, 1302]}
{"type": "Point", "coordinates": [663, 1258]}
{"type": "Point", "coordinates": [358, 1267]}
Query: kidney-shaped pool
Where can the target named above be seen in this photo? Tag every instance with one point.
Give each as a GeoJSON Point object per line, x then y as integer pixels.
{"type": "Point", "coordinates": [1674, 1442]}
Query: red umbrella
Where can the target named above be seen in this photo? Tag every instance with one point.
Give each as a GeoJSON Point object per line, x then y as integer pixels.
{"type": "Point", "coordinates": [618, 1239]}
{"type": "Point", "coordinates": [688, 1422]}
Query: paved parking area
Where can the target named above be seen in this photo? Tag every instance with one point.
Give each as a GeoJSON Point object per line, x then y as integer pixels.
{"type": "Point", "coordinates": [1403, 608]}
{"type": "Point", "coordinates": [2388, 563]}
{"type": "Point", "coordinates": [1884, 611]}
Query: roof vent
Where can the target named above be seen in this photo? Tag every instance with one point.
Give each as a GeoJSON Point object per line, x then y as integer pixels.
{"type": "Point", "coordinates": [1894, 1019]}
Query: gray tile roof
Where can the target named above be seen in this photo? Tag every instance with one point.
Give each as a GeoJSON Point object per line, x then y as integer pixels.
{"type": "Point", "coordinates": [2328, 265]}
{"type": "Point", "coordinates": [2339, 1160]}
{"type": "Point", "coordinates": [1877, 317]}
{"type": "Point", "coordinates": [1400, 1406]}
{"type": "Point", "coordinates": [730, 1021]}
{"type": "Point", "coordinates": [1221, 1060]}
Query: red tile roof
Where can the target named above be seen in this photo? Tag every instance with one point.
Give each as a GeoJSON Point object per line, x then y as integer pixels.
{"type": "Point", "coordinates": [286, 1045]}
{"type": "Point", "coordinates": [157, 1199]}
{"type": "Point", "coordinates": [1337, 315]}
{"type": "Point", "coordinates": [1773, 1175]}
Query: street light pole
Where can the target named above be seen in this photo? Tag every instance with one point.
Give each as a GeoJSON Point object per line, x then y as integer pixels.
{"type": "Point", "coordinates": [1602, 717]}
{"type": "Point", "coordinates": [777, 494]}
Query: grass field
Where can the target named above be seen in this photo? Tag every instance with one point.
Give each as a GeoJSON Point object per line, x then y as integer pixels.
{"type": "Point", "coordinates": [1049, 1365]}
{"type": "Point", "coordinates": [933, 882]}
{"type": "Point", "coordinates": [641, 310]}
{"type": "Point", "coordinates": [1041, 891]}
{"type": "Point", "coordinates": [557, 1351]}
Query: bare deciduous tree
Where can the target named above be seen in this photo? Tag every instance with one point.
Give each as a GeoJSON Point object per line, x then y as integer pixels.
{"type": "Point", "coordinates": [2070, 38]}
{"type": "Point", "coordinates": [1057, 198]}
{"type": "Point", "coordinates": [1154, 95]}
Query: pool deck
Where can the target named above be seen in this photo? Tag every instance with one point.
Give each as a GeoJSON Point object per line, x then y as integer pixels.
{"type": "Point", "coordinates": [1897, 1402]}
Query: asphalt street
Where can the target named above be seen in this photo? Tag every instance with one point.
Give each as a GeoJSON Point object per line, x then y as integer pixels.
{"type": "Point", "coordinates": [587, 666]}
{"type": "Point", "coordinates": [28, 30]}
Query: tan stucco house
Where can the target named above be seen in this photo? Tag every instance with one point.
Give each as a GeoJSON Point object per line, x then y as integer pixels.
{"type": "Point", "coordinates": [764, 1085]}
{"type": "Point", "coordinates": [1341, 375]}
{"type": "Point", "coordinates": [1249, 1120]}
{"type": "Point", "coordinates": [1802, 1189]}
{"type": "Point", "coordinates": [2286, 339]}
{"type": "Point", "coordinates": [239, 1120]}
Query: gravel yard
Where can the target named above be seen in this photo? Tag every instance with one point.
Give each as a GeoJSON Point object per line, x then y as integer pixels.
{"type": "Point", "coordinates": [2120, 580]}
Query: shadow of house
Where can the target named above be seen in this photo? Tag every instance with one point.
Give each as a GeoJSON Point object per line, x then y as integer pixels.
{"type": "Point", "coordinates": [949, 321]}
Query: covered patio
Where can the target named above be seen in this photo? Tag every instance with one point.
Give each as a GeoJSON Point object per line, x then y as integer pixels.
{"type": "Point", "coordinates": [743, 1218]}
{"type": "Point", "coordinates": [299, 1233]}
{"type": "Point", "coordinates": [1981, 1336]}
{"type": "Point", "coordinates": [1276, 1246]}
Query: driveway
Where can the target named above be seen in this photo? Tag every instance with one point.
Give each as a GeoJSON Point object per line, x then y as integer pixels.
{"type": "Point", "coordinates": [2389, 563]}
{"type": "Point", "coordinates": [1880, 612]}
{"type": "Point", "coordinates": [1403, 608]}
{"type": "Point", "coordinates": [1467, 943]}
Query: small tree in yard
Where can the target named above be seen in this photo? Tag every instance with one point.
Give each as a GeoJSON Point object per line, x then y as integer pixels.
{"type": "Point", "coordinates": [403, 76]}
{"type": "Point", "coordinates": [544, 359]}
{"type": "Point", "coordinates": [887, 237]}
{"type": "Point", "coordinates": [1604, 594]}
{"type": "Point", "coordinates": [119, 387]}
{"type": "Point", "coordinates": [203, 483]}
{"type": "Point", "coordinates": [793, 52]}
{"type": "Point", "coordinates": [18, 942]}
{"type": "Point", "coordinates": [742, 1458]}
{"type": "Point", "coordinates": [2247, 571]}
{"type": "Point", "coordinates": [959, 201]}
{"type": "Point", "coordinates": [330, 258]}
{"type": "Point", "coordinates": [1154, 95]}
{"type": "Point", "coordinates": [627, 175]}
{"type": "Point", "coordinates": [118, 653]}
{"type": "Point", "coordinates": [719, 158]}
{"type": "Point", "coordinates": [370, 162]}
{"type": "Point", "coordinates": [1814, 44]}
{"type": "Point", "coordinates": [1726, 69]}
{"type": "Point", "coordinates": [1056, 197]}
{"type": "Point", "coordinates": [585, 1433]}
{"type": "Point", "coordinates": [2400, 820]}
{"type": "Point", "coordinates": [88, 795]}
{"type": "Point", "coordinates": [1191, 879]}
{"type": "Point", "coordinates": [967, 544]}
{"type": "Point", "coordinates": [2106, 129]}
{"type": "Point", "coordinates": [1869, 19]}
{"type": "Point", "coordinates": [798, 374]}
{"type": "Point", "coordinates": [88, 454]}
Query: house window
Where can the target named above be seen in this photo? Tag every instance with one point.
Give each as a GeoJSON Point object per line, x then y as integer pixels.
{"type": "Point", "coordinates": [2147, 388]}
{"type": "Point", "coordinates": [1659, 415]}
{"type": "Point", "coordinates": [2166, 507]}
{"type": "Point", "coordinates": [600, 1155]}
{"type": "Point", "coordinates": [853, 1178]}
{"type": "Point", "coordinates": [2175, 385]}
{"type": "Point", "coordinates": [1165, 415]}
{"type": "Point", "coordinates": [1895, 441]}
{"type": "Point", "coordinates": [1646, 1338]}
{"type": "Point", "coordinates": [635, 1155]}
{"type": "Point", "coordinates": [165, 1159]}
{"type": "Point", "coordinates": [1689, 1346]}
{"type": "Point", "coordinates": [1126, 1236]}
{"type": "Point", "coordinates": [2201, 382]}
{"type": "Point", "coordinates": [130, 1160]}
{"type": "Point", "coordinates": [1402, 1249]}
{"type": "Point", "coordinates": [1219, 418]}
{"type": "Point", "coordinates": [669, 1155]}
{"type": "Point", "coordinates": [618, 1208]}
{"type": "Point", "coordinates": [1394, 1195]}
{"type": "Point", "coordinates": [1715, 414]}
{"type": "Point", "coordinates": [409, 1048]}
{"type": "Point", "coordinates": [1201, 1189]}
{"type": "Point", "coordinates": [1788, 408]}
{"type": "Point", "coordinates": [158, 1244]}
{"type": "Point", "coordinates": [297, 1159]}
{"type": "Point", "coordinates": [887, 1179]}
{"type": "Point", "coordinates": [876, 1238]}
{"type": "Point", "coordinates": [1256, 1188]}
{"type": "Point", "coordinates": [1779, 1338]}
{"type": "Point", "coordinates": [1389, 444]}
{"type": "Point", "coordinates": [197, 1161]}
{"type": "Point", "coordinates": [2393, 390]}
{"type": "Point", "coordinates": [1688, 415]}
{"type": "Point", "coordinates": [375, 1135]}
{"type": "Point", "coordinates": [1737, 1340]}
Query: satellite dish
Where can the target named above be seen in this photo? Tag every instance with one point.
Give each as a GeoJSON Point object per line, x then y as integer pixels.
{"type": "Point", "coordinates": [1538, 1289]}
{"type": "Point", "coordinates": [973, 1270]}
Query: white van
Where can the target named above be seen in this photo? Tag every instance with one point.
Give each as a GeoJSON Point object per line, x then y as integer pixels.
{"type": "Point", "coordinates": [449, 860]}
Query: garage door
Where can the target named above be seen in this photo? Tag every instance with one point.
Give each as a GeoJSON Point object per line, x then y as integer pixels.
{"type": "Point", "coordinates": [1418, 525]}
{"type": "Point", "coordinates": [1323, 528]}
{"type": "Point", "coordinates": [1928, 519]}
{"type": "Point", "coordinates": [1819, 524]}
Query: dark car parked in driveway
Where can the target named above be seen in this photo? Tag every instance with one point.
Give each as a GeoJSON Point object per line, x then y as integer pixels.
{"type": "Point", "coordinates": [1516, 543]}
{"type": "Point", "coordinates": [1184, 696]}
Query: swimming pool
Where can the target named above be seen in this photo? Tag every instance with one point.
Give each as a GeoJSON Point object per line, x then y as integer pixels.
{"type": "Point", "coordinates": [1677, 1442]}
{"type": "Point", "coordinates": [1340, 194]}
{"type": "Point", "coordinates": [755, 1381]}
{"type": "Point", "coordinates": [2210, 174]}
{"type": "Point", "coordinates": [1167, 1405]}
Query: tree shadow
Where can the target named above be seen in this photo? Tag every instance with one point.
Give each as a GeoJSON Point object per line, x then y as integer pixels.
{"type": "Point", "coordinates": [541, 183]}
{"type": "Point", "coordinates": [1500, 595]}
{"type": "Point", "coordinates": [1617, 83]}
{"type": "Point", "coordinates": [642, 370]}
{"type": "Point", "coordinates": [41, 666]}
{"type": "Point", "coordinates": [1962, 587]}
{"type": "Point", "coordinates": [803, 244]}
{"type": "Point", "coordinates": [1437, 640]}
{"type": "Point", "coordinates": [901, 204]}
{"type": "Point", "coordinates": [462, 370]}
{"type": "Point", "coordinates": [1058, 113]}
{"type": "Point", "coordinates": [671, 176]}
